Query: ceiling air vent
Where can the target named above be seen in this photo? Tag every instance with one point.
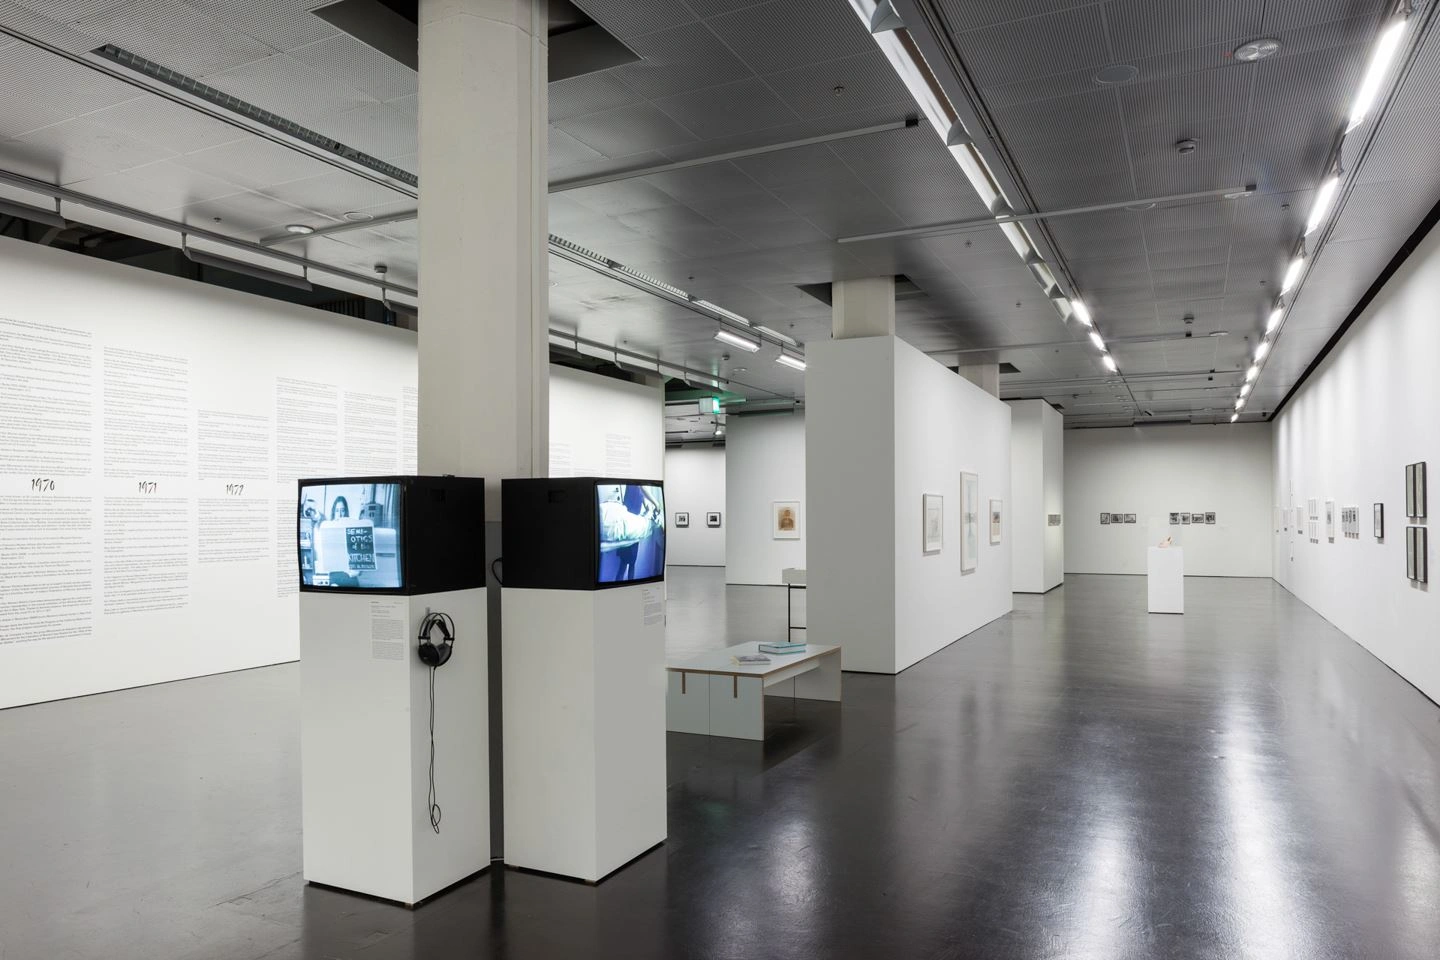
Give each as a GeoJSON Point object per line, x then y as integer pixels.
{"type": "Point", "coordinates": [249, 111]}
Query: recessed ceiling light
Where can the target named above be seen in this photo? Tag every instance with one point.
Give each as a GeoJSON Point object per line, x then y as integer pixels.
{"type": "Point", "coordinates": [1116, 74]}
{"type": "Point", "coordinates": [1252, 50]}
{"type": "Point", "coordinates": [299, 229]}
{"type": "Point", "coordinates": [1187, 146]}
{"type": "Point", "coordinates": [355, 216]}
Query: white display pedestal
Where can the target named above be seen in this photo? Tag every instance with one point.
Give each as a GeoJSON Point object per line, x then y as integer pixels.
{"type": "Point", "coordinates": [1166, 579]}
{"type": "Point", "coordinates": [365, 744]}
{"type": "Point", "coordinates": [584, 732]}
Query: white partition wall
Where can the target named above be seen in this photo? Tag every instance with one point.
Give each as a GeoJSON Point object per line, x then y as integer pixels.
{"type": "Point", "coordinates": [1152, 472]}
{"type": "Point", "coordinates": [1037, 493]}
{"type": "Point", "coordinates": [1347, 434]}
{"type": "Point", "coordinates": [764, 465]}
{"type": "Point", "coordinates": [151, 432]}
{"type": "Point", "coordinates": [887, 425]}
{"type": "Point", "coordinates": [695, 486]}
{"type": "Point", "coordinates": [604, 427]}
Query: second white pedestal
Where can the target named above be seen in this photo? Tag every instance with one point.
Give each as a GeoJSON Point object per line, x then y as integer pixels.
{"type": "Point", "coordinates": [1166, 579]}
{"type": "Point", "coordinates": [584, 706]}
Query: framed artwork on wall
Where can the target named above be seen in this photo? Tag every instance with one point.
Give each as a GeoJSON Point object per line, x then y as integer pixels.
{"type": "Point", "coordinates": [996, 511]}
{"type": "Point", "coordinates": [1117, 518]}
{"type": "Point", "coordinates": [1417, 552]}
{"type": "Point", "coordinates": [1053, 519]}
{"type": "Point", "coordinates": [1329, 519]}
{"type": "Point", "coordinates": [1209, 516]}
{"type": "Point", "coordinates": [1174, 518]}
{"type": "Point", "coordinates": [712, 519]}
{"type": "Point", "coordinates": [933, 514]}
{"type": "Point", "coordinates": [786, 520]}
{"type": "Point", "coordinates": [682, 519]}
{"type": "Point", "coordinates": [1104, 518]}
{"type": "Point", "coordinates": [1379, 510]}
{"type": "Point", "coordinates": [1184, 518]}
{"type": "Point", "coordinates": [969, 521]}
{"type": "Point", "coordinates": [1129, 518]}
{"type": "Point", "coordinates": [1415, 492]}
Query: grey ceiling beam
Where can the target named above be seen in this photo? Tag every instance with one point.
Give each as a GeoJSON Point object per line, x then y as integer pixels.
{"type": "Point", "coordinates": [575, 183]}
{"type": "Point", "coordinates": [981, 223]}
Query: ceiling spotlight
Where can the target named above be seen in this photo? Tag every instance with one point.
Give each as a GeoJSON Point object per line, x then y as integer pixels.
{"type": "Point", "coordinates": [737, 341]}
{"type": "Point", "coordinates": [1385, 49]}
{"type": "Point", "coordinates": [1261, 350]}
{"type": "Point", "coordinates": [1323, 201]}
{"type": "Point", "coordinates": [1082, 312]}
{"type": "Point", "coordinates": [1252, 50]}
{"type": "Point", "coordinates": [1252, 373]}
{"type": "Point", "coordinates": [793, 362]}
{"type": "Point", "coordinates": [1292, 273]}
{"type": "Point", "coordinates": [1098, 340]}
{"type": "Point", "coordinates": [1110, 363]}
{"type": "Point", "coordinates": [1116, 74]}
{"type": "Point", "coordinates": [1187, 146]}
{"type": "Point", "coordinates": [1274, 320]}
{"type": "Point", "coordinates": [355, 216]}
{"type": "Point", "coordinates": [299, 229]}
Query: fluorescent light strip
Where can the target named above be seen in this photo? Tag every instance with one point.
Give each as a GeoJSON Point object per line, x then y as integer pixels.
{"type": "Point", "coordinates": [1081, 312]}
{"type": "Point", "coordinates": [1098, 340]}
{"type": "Point", "coordinates": [1324, 200]}
{"type": "Point", "coordinates": [1262, 349]}
{"type": "Point", "coordinates": [1292, 273]}
{"type": "Point", "coordinates": [1252, 373]}
{"type": "Point", "coordinates": [793, 362]}
{"type": "Point", "coordinates": [1375, 73]}
{"type": "Point", "coordinates": [735, 340]}
{"type": "Point", "coordinates": [1234, 416]}
{"type": "Point", "coordinates": [727, 314]}
{"type": "Point", "coordinates": [1275, 316]}
{"type": "Point", "coordinates": [1110, 363]}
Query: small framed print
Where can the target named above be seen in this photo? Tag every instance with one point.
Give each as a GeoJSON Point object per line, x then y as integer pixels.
{"type": "Point", "coordinates": [712, 519]}
{"type": "Point", "coordinates": [1184, 518]}
{"type": "Point", "coordinates": [997, 512]}
{"type": "Point", "coordinates": [785, 516]}
{"type": "Point", "coordinates": [1209, 516]}
{"type": "Point", "coordinates": [933, 525]}
{"type": "Point", "coordinates": [1129, 518]}
{"type": "Point", "coordinates": [1117, 518]}
{"type": "Point", "coordinates": [1054, 519]}
{"type": "Point", "coordinates": [1420, 494]}
{"type": "Point", "coordinates": [1104, 518]}
{"type": "Point", "coordinates": [1174, 518]}
{"type": "Point", "coordinates": [1422, 554]}
{"type": "Point", "coordinates": [1379, 509]}
{"type": "Point", "coordinates": [682, 519]}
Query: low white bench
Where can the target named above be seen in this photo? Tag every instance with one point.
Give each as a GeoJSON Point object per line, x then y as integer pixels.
{"type": "Point", "coordinates": [711, 694]}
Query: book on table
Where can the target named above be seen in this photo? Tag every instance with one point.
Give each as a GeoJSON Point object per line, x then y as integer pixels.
{"type": "Point", "coordinates": [781, 648]}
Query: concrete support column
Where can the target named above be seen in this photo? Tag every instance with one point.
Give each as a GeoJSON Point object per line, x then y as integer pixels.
{"type": "Point", "coordinates": [484, 348]}
{"type": "Point", "coordinates": [863, 308]}
{"type": "Point", "coordinates": [986, 376]}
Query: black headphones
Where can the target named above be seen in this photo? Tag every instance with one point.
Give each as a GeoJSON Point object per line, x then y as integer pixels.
{"type": "Point", "coordinates": [436, 654]}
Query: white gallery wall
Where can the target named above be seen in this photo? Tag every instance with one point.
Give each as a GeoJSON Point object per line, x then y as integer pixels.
{"type": "Point", "coordinates": [1155, 471]}
{"type": "Point", "coordinates": [885, 426]}
{"type": "Point", "coordinates": [604, 427]}
{"type": "Point", "coordinates": [695, 484]}
{"type": "Point", "coordinates": [1037, 492]}
{"type": "Point", "coordinates": [764, 463]}
{"type": "Point", "coordinates": [151, 432]}
{"type": "Point", "coordinates": [1367, 411]}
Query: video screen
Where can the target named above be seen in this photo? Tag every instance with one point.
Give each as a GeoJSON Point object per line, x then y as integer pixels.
{"type": "Point", "coordinates": [349, 536]}
{"type": "Point", "coordinates": [632, 532]}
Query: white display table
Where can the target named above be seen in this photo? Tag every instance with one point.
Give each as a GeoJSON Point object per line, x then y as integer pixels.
{"type": "Point", "coordinates": [711, 694]}
{"type": "Point", "coordinates": [1166, 579]}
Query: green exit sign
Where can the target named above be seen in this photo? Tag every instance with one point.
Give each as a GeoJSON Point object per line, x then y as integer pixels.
{"type": "Point", "coordinates": [709, 405]}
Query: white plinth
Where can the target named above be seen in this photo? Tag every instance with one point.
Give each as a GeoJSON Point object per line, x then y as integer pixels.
{"type": "Point", "coordinates": [1166, 578]}
{"type": "Point", "coordinates": [584, 692]}
{"type": "Point", "coordinates": [365, 745]}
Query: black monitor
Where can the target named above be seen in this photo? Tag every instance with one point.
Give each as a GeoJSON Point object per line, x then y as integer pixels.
{"type": "Point", "coordinates": [582, 533]}
{"type": "Point", "coordinates": [391, 535]}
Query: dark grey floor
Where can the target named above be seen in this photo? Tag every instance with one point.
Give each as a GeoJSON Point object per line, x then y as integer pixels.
{"type": "Point", "coordinates": [1076, 780]}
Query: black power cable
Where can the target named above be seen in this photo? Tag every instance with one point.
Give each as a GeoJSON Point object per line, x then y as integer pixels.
{"type": "Point", "coordinates": [432, 799]}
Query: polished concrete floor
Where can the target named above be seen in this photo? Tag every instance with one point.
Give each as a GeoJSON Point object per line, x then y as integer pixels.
{"type": "Point", "coordinates": [1078, 779]}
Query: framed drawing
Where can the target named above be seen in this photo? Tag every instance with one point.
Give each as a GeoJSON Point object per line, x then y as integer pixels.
{"type": "Point", "coordinates": [1174, 518]}
{"type": "Point", "coordinates": [1299, 516]}
{"type": "Point", "coordinates": [682, 519]}
{"type": "Point", "coordinates": [712, 519]}
{"type": "Point", "coordinates": [1329, 519]}
{"type": "Point", "coordinates": [1117, 518]}
{"type": "Point", "coordinates": [1209, 516]}
{"type": "Point", "coordinates": [1104, 518]}
{"type": "Point", "coordinates": [1054, 519]}
{"type": "Point", "coordinates": [786, 525]}
{"type": "Point", "coordinates": [1422, 554]}
{"type": "Point", "coordinates": [933, 526]}
{"type": "Point", "coordinates": [1129, 518]}
{"type": "Point", "coordinates": [1379, 510]}
{"type": "Point", "coordinates": [1184, 518]}
{"type": "Point", "coordinates": [1418, 510]}
{"type": "Point", "coordinates": [996, 510]}
{"type": "Point", "coordinates": [969, 521]}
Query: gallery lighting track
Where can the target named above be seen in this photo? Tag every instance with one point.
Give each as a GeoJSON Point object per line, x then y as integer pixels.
{"type": "Point", "coordinates": [1377, 70]}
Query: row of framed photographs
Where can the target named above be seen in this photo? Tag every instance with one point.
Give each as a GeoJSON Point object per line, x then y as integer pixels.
{"type": "Point", "coordinates": [712, 519]}
{"type": "Point", "coordinates": [1117, 518]}
{"type": "Point", "coordinates": [1179, 518]}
